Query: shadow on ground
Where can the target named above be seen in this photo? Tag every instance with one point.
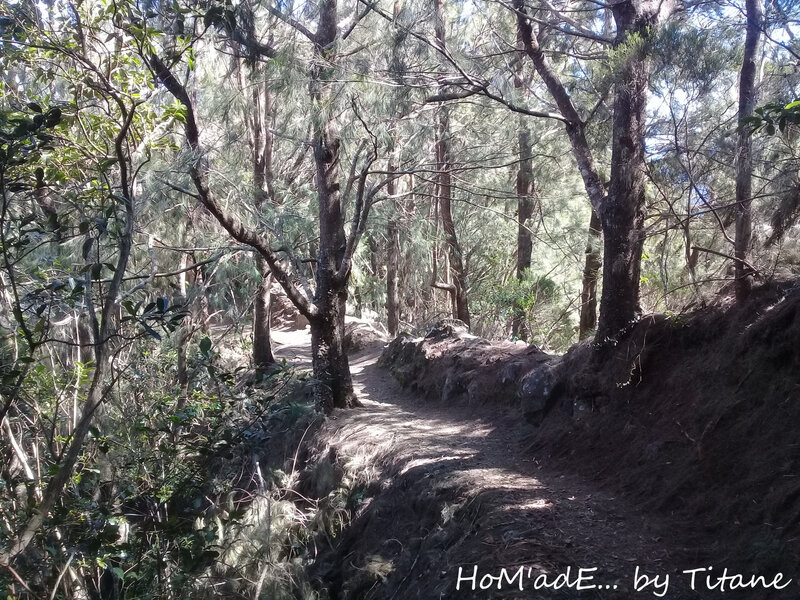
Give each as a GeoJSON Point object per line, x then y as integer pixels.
{"type": "Point", "coordinates": [452, 491]}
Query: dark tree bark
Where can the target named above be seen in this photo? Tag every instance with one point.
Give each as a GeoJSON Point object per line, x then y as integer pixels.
{"type": "Point", "coordinates": [622, 213]}
{"type": "Point", "coordinates": [575, 126]}
{"type": "Point", "coordinates": [392, 226]}
{"type": "Point", "coordinates": [327, 326]}
{"type": "Point", "coordinates": [262, 138]}
{"type": "Point", "coordinates": [263, 358]}
{"type": "Point", "coordinates": [458, 286]}
{"type": "Point", "coordinates": [392, 260]}
{"type": "Point", "coordinates": [259, 119]}
{"type": "Point", "coordinates": [525, 188]}
{"type": "Point", "coordinates": [325, 307]}
{"type": "Point", "coordinates": [325, 310]}
{"type": "Point", "coordinates": [329, 359]}
{"type": "Point", "coordinates": [591, 270]}
{"type": "Point", "coordinates": [744, 160]}
{"type": "Point", "coordinates": [576, 132]}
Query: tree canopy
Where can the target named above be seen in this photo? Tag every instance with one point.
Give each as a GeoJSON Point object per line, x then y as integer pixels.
{"type": "Point", "coordinates": [169, 169]}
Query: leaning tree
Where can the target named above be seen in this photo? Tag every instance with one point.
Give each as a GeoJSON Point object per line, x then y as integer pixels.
{"type": "Point", "coordinates": [324, 306]}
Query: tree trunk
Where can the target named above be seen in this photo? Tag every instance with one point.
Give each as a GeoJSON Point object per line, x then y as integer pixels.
{"type": "Point", "coordinates": [262, 346]}
{"type": "Point", "coordinates": [525, 192]}
{"type": "Point", "coordinates": [262, 144]}
{"type": "Point", "coordinates": [260, 119]}
{"type": "Point", "coordinates": [392, 229]}
{"type": "Point", "coordinates": [183, 371]}
{"type": "Point", "coordinates": [576, 132]}
{"type": "Point", "coordinates": [392, 260]}
{"type": "Point", "coordinates": [330, 363]}
{"type": "Point", "coordinates": [575, 126]}
{"type": "Point", "coordinates": [744, 160]}
{"type": "Point", "coordinates": [591, 270]}
{"type": "Point", "coordinates": [326, 310]}
{"type": "Point", "coordinates": [445, 190]}
{"type": "Point", "coordinates": [623, 211]}
{"type": "Point", "coordinates": [525, 188]}
{"type": "Point", "coordinates": [103, 328]}
{"type": "Point", "coordinates": [186, 328]}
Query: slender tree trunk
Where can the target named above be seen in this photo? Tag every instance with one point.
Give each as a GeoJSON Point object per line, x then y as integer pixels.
{"type": "Point", "coordinates": [259, 119]}
{"type": "Point", "coordinates": [458, 286]}
{"type": "Point", "coordinates": [622, 213]}
{"type": "Point", "coordinates": [591, 270]}
{"type": "Point", "coordinates": [326, 309]}
{"type": "Point", "coordinates": [744, 160]}
{"type": "Point", "coordinates": [103, 328]}
{"type": "Point", "coordinates": [392, 260]}
{"type": "Point", "coordinates": [392, 227]}
{"type": "Point", "coordinates": [184, 333]}
{"type": "Point", "coordinates": [262, 144]}
{"type": "Point", "coordinates": [525, 188]}
{"type": "Point", "coordinates": [525, 202]}
{"type": "Point", "coordinates": [330, 363]}
{"type": "Point", "coordinates": [262, 347]}
{"type": "Point", "coordinates": [576, 132]}
{"type": "Point", "coordinates": [574, 125]}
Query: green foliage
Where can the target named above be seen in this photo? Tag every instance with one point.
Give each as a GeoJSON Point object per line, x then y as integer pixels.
{"type": "Point", "coordinates": [772, 117]}
{"type": "Point", "coordinates": [525, 295]}
{"type": "Point", "coordinates": [183, 460]}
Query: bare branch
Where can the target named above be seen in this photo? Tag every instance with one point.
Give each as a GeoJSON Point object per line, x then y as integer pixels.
{"type": "Point", "coordinates": [292, 23]}
{"type": "Point", "coordinates": [741, 261]}
{"type": "Point", "coordinates": [229, 222]}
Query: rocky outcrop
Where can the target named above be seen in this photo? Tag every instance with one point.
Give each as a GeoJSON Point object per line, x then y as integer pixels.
{"type": "Point", "coordinates": [360, 334]}
{"type": "Point", "coordinates": [451, 365]}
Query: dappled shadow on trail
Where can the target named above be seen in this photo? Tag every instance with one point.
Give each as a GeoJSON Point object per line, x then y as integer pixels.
{"type": "Point", "coordinates": [457, 490]}
{"type": "Point", "coordinates": [453, 490]}
{"type": "Point", "coordinates": [292, 345]}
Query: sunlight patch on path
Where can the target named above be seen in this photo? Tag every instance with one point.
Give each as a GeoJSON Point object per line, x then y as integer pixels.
{"type": "Point", "coordinates": [467, 462]}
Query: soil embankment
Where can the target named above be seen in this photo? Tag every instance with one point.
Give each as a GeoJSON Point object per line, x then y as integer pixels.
{"type": "Point", "coordinates": [675, 450]}
{"type": "Point", "coordinates": [444, 487]}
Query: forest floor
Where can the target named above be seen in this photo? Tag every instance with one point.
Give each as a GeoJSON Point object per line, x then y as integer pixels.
{"type": "Point", "coordinates": [456, 490]}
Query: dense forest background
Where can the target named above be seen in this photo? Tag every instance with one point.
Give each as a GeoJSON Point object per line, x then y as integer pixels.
{"type": "Point", "coordinates": [179, 177]}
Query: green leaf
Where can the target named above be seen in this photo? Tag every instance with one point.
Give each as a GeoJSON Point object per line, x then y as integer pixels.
{"type": "Point", "coordinates": [205, 345]}
{"type": "Point", "coordinates": [53, 117]}
{"type": "Point", "coordinates": [212, 16]}
{"type": "Point", "coordinates": [108, 162]}
{"type": "Point", "coordinates": [152, 332]}
{"type": "Point", "coordinates": [97, 271]}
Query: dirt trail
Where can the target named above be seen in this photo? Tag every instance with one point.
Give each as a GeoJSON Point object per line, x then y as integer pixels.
{"type": "Point", "coordinates": [496, 504]}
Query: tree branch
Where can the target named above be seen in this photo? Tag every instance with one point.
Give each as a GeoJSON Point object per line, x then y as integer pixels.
{"type": "Point", "coordinates": [741, 261]}
{"type": "Point", "coordinates": [229, 222]}
{"type": "Point", "coordinates": [292, 23]}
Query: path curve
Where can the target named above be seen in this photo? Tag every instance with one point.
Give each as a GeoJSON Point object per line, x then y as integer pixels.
{"type": "Point", "coordinates": [523, 512]}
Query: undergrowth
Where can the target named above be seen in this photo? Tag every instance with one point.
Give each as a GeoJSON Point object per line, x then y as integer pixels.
{"type": "Point", "coordinates": [189, 493]}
